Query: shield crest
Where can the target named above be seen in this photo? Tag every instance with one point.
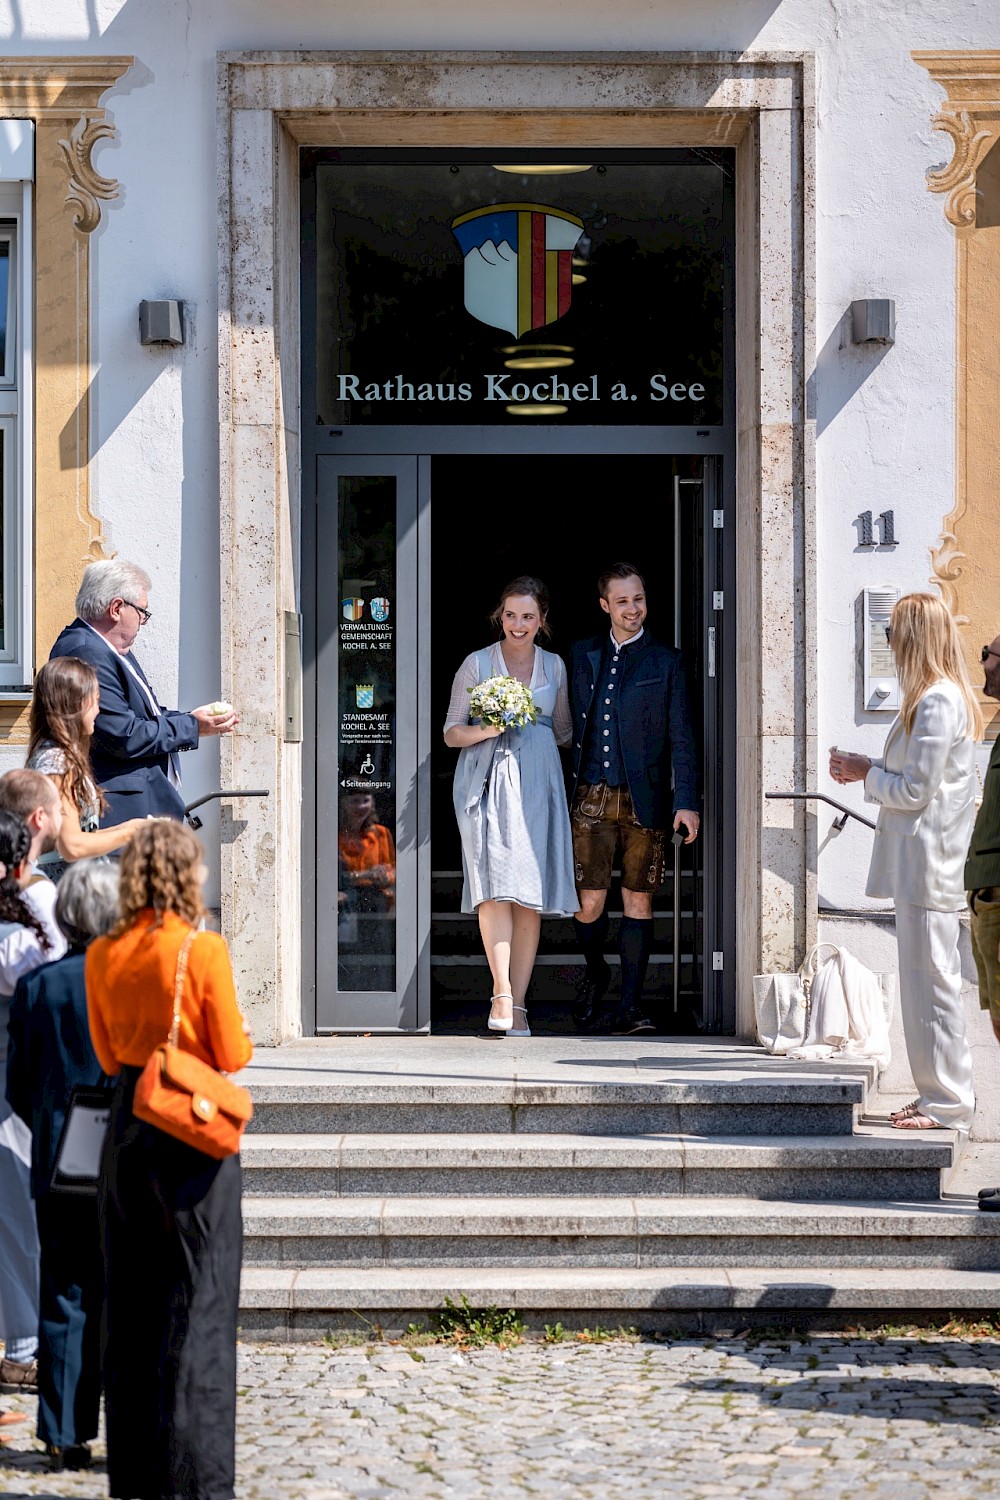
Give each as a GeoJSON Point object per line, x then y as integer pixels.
{"type": "Point", "coordinates": [518, 264]}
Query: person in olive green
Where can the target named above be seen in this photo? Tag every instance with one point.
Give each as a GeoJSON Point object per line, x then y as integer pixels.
{"type": "Point", "coordinates": [982, 881]}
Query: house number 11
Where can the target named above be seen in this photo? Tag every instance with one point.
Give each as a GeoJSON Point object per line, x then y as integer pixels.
{"type": "Point", "coordinates": [886, 527]}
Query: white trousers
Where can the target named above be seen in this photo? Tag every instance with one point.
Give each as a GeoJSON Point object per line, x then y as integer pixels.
{"type": "Point", "coordinates": [930, 997]}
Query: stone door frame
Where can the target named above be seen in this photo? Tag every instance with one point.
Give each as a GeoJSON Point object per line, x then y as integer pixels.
{"type": "Point", "coordinates": [270, 104]}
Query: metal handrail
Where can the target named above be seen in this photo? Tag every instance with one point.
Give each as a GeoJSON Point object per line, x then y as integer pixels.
{"type": "Point", "coordinates": [838, 823]}
{"type": "Point", "coordinates": [218, 797]}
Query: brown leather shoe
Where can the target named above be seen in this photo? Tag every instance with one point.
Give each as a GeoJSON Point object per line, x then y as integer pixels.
{"type": "Point", "coordinates": [17, 1378]}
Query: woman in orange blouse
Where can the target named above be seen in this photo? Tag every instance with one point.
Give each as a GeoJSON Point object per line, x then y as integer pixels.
{"type": "Point", "coordinates": [171, 1215]}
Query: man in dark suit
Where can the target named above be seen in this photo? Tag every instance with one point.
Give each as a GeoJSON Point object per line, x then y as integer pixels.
{"type": "Point", "coordinates": [631, 731]}
{"type": "Point", "coordinates": [136, 744]}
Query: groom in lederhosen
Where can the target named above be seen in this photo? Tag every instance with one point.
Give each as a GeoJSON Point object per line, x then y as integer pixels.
{"type": "Point", "coordinates": [631, 737]}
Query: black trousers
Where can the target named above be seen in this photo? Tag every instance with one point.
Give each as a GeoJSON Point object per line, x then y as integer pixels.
{"type": "Point", "coordinates": [173, 1246]}
{"type": "Point", "coordinates": [69, 1333]}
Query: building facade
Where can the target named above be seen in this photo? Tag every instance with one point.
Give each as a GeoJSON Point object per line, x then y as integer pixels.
{"type": "Point", "coordinates": [686, 352]}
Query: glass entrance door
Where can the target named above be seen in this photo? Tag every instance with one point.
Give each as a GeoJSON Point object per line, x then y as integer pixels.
{"type": "Point", "coordinates": [367, 771]}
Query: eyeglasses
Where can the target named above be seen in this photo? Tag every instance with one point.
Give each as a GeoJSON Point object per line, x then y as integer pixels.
{"type": "Point", "coordinates": [987, 652]}
{"type": "Point", "coordinates": [145, 615]}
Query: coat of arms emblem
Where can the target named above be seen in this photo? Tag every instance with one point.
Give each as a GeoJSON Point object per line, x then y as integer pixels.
{"type": "Point", "coordinates": [518, 264]}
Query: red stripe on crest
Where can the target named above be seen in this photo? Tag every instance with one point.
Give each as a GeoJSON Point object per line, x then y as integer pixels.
{"type": "Point", "coordinates": [538, 271]}
{"type": "Point", "coordinates": [565, 280]}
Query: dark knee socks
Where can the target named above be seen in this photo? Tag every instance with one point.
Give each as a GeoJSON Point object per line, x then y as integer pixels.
{"type": "Point", "coordinates": [635, 938]}
{"type": "Point", "coordinates": [590, 940]}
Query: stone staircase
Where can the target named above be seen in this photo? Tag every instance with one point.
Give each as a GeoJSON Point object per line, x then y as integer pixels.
{"type": "Point", "coordinates": [711, 1183]}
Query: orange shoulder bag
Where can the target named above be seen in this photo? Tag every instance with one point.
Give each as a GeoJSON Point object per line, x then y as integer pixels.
{"type": "Point", "coordinates": [185, 1097]}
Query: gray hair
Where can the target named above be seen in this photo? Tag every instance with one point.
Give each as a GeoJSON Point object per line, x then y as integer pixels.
{"type": "Point", "coordinates": [112, 578]}
{"type": "Point", "coordinates": [87, 903]}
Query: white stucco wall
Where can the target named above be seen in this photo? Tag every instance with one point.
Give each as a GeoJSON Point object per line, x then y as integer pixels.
{"type": "Point", "coordinates": [885, 424]}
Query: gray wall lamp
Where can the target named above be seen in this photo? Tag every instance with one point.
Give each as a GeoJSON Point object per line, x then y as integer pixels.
{"type": "Point", "coordinates": [161, 322]}
{"type": "Point", "coordinates": [873, 321]}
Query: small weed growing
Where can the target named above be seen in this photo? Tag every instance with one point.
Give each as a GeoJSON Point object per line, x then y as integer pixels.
{"type": "Point", "coordinates": [555, 1333]}
{"type": "Point", "coordinates": [466, 1327]}
{"type": "Point", "coordinates": [473, 1328]}
{"type": "Point", "coordinates": [351, 1338]}
{"type": "Point", "coordinates": [599, 1335]}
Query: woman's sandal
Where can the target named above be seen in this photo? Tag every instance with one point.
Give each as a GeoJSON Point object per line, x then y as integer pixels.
{"type": "Point", "coordinates": [524, 1030]}
{"type": "Point", "coordinates": [501, 1023]}
{"type": "Point", "coordinates": [913, 1108]}
{"type": "Point", "coordinates": [917, 1121]}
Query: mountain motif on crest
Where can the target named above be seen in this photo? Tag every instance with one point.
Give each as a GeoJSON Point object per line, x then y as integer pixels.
{"type": "Point", "coordinates": [518, 264]}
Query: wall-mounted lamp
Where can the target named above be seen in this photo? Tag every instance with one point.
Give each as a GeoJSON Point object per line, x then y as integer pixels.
{"type": "Point", "coordinates": [873, 321]}
{"type": "Point", "coordinates": [161, 322]}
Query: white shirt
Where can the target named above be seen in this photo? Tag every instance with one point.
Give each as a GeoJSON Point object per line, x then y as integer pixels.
{"type": "Point", "coordinates": [21, 951]}
{"type": "Point", "coordinates": [620, 645]}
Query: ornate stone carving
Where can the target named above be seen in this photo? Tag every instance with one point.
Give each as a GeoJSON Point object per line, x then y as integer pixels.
{"type": "Point", "coordinates": [958, 178]}
{"type": "Point", "coordinates": [86, 185]}
{"type": "Point", "coordinates": [946, 561]}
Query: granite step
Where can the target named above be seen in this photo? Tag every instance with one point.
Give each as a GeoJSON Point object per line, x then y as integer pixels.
{"type": "Point", "coordinates": [708, 1107]}
{"type": "Point", "coordinates": [618, 1233]}
{"type": "Point", "coordinates": [870, 1165]}
{"type": "Point", "coordinates": [287, 1302]}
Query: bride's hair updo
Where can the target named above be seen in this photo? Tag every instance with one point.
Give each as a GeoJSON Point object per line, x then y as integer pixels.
{"type": "Point", "coordinates": [535, 589]}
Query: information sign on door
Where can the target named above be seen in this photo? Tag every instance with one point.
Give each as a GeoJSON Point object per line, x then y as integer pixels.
{"type": "Point", "coordinates": [366, 745]}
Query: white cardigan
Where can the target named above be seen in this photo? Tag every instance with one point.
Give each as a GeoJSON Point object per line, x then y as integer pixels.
{"type": "Point", "coordinates": [924, 786]}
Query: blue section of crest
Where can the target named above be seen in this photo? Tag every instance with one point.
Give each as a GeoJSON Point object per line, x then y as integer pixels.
{"type": "Point", "coordinates": [495, 227]}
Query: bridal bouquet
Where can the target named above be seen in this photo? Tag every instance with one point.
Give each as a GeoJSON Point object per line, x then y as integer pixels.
{"type": "Point", "coordinates": [503, 703]}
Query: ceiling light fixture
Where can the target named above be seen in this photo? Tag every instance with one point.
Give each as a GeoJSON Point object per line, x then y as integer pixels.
{"type": "Point", "coordinates": [538, 362]}
{"type": "Point", "coordinates": [541, 169]}
{"type": "Point", "coordinates": [537, 349]}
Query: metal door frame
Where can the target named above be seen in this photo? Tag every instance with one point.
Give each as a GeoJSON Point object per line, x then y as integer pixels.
{"type": "Point", "coordinates": [412, 766]}
{"type": "Point", "coordinates": [718, 831]}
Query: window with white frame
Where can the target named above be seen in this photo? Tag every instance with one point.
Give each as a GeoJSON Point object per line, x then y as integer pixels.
{"type": "Point", "coordinates": [16, 457]}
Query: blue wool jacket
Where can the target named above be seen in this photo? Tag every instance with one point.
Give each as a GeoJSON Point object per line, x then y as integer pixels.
{"type": "Point", "coordinates": [654, 723]}
{"type": "Point", "coordinates": [49, 1050]}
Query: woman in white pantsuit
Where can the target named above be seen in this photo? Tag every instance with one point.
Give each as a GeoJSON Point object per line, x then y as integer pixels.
{"type": "Point", "coordinates": [924, 787]}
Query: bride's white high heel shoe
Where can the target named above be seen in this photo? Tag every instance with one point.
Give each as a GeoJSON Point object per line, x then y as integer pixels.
{"type": "Point", "coordinates": [524, 1030]}
{"type": "Point", "coordinates": [501, 1023]}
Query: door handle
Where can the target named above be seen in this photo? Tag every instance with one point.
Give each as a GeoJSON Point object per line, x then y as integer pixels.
{"type": "Point", "coordinates": [711, 651]}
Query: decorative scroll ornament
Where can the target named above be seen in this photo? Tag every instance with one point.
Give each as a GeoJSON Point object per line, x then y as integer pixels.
{"type": "Point", "coordinates": [86, 185]}
{"type": "Point", "coordinates": [958, 178]}
{"type": "Point", "coordinates": [946, 561]}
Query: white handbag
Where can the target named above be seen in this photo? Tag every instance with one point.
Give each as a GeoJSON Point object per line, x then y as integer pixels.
{"type": "Point", "coordinates": [781, 1005]}
{"type": "Point", "coordinates": [833, 1007]}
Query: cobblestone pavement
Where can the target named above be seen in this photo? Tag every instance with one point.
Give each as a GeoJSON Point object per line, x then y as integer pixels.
{"type": "Point", "coordinates": [900, 1419]}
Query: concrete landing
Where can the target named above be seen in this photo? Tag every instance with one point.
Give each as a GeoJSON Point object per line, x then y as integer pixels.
{"type": "Point", "coordinates": [559, 1061]}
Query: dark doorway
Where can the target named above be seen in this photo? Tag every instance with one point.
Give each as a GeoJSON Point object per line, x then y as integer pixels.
{"type": "Point", "coordinates": [562, 518]}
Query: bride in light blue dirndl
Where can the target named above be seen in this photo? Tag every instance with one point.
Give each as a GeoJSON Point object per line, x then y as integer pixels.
{"type": "Point", "coordinates": [510, 802]}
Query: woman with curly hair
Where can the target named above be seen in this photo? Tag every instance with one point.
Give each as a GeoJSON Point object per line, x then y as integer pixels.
{"type": "Point", "coordinates": [171, 1215]}
{"type": "Point", "coordinates": [64, 708]}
